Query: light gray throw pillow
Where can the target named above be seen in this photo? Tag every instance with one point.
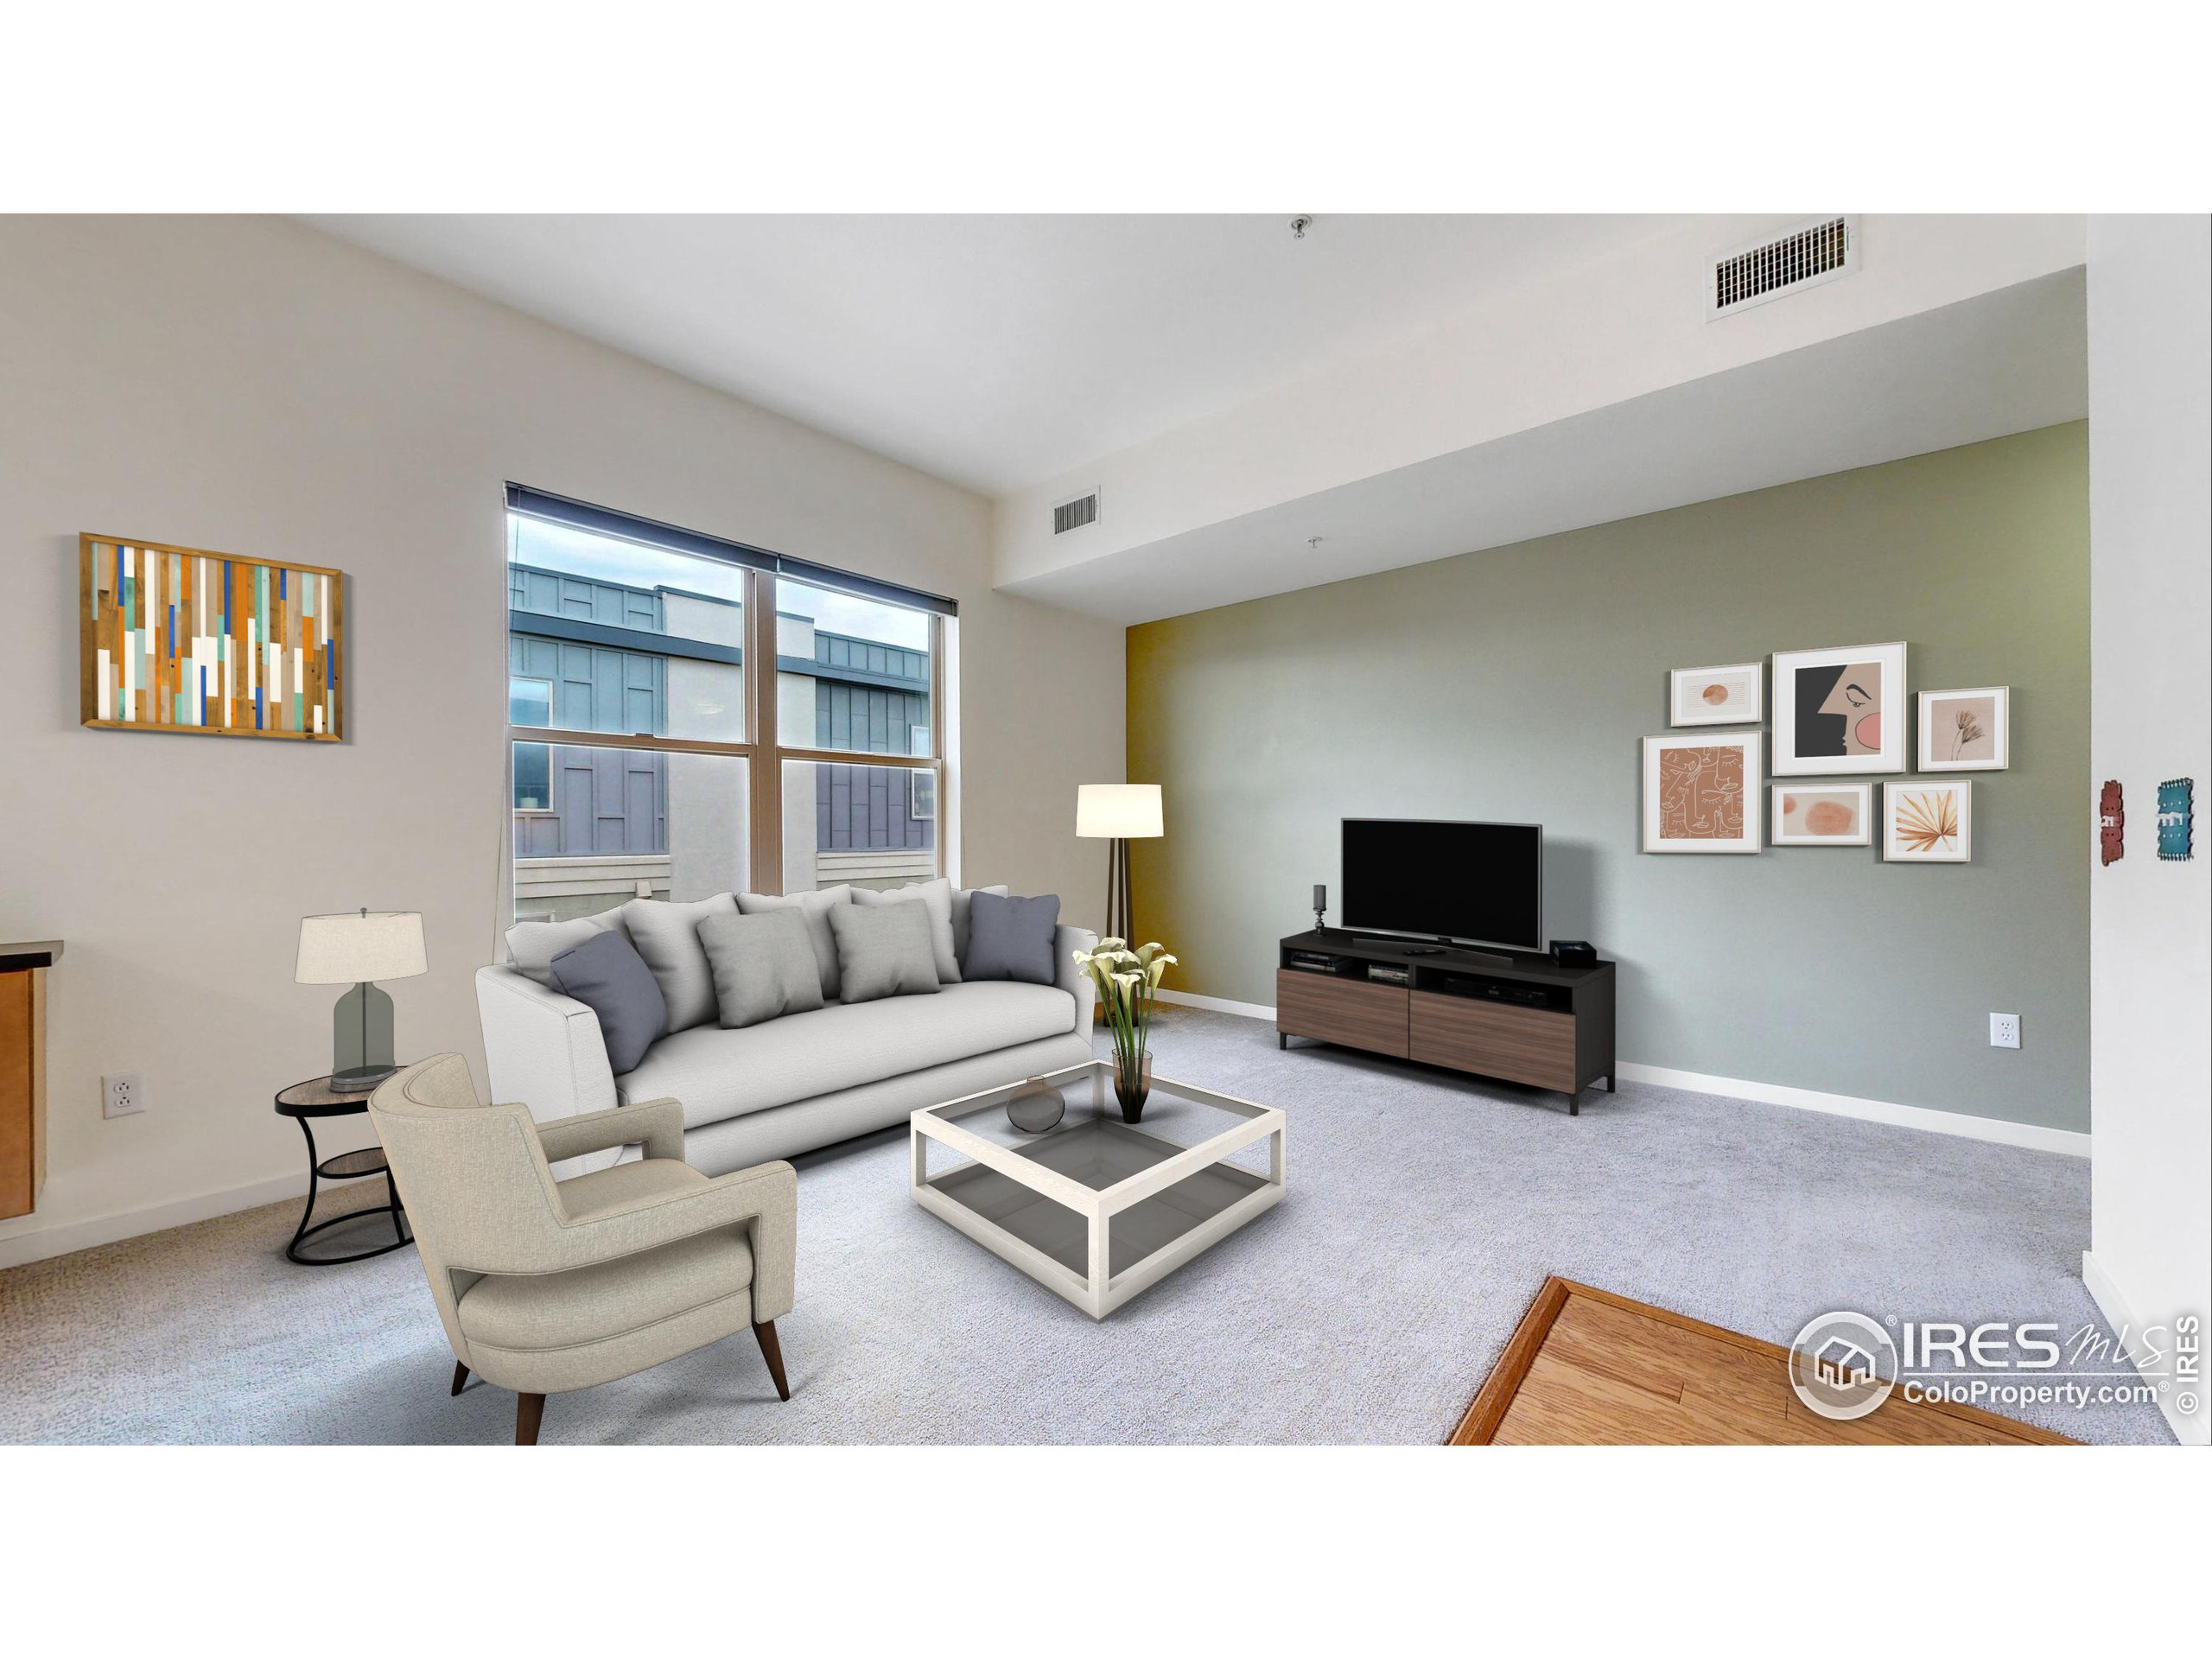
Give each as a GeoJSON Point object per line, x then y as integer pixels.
{"type": "Point", "coordinates": [1012, 938]}
{"type": "Point", "coordinates": [816, 907]}
{"type": "Point", "coordinates": [667, 936]}
{"type": "Point", "coordinates": [935, 899]}
{"type": "Point", "coordinates": [884, 950]}
{"type": "Point", "coordinates": [532, 946]}
{"type": "Point", "coordinates": [962, 897]}
{"type": "Point", "coordinates": [763, 966]}
{"type": "Point", "coordinates": [607, 975]}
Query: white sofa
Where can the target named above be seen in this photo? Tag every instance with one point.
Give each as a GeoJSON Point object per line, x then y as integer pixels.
{"type": "Point", "coordinates": [793, 1084]}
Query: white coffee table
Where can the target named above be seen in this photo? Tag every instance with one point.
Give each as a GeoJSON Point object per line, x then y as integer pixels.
{"type": "Point", "coordinates": [1095, 1209]}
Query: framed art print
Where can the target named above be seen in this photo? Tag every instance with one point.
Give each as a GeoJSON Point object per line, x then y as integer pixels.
{"type": "Point", "coordinates": [1966, 731]}
{"type": "Point", "coordinates": [1701, 794]}
{"type": "Point", "coordinates": [1840, 710]}
{"type": "Point", "coordinates": [1716, 696]}
{"type": "Point", "coordinates": [178, 639]}
{"type": "Point", "coordinates": [1823, 815]}
{"type": "Point", "coordinates": [1928, 821]}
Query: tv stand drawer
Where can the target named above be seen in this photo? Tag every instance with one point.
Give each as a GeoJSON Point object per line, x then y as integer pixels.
{"type": "Point", "coordinates": [1354, 1012]}
{"type": "Point", "coordinates": [1498, 1040]}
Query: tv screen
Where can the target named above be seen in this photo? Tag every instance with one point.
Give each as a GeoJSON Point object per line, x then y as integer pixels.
{"type": "Point", "coordinates": [1481, 882]}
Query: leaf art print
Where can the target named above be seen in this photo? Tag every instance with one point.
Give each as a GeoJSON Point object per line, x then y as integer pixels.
{"type": "Point", "coordinates": [1929, 823]}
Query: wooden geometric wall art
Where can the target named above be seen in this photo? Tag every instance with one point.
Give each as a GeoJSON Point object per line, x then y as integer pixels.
{"type": "Point", "coordinates": [2112, 824]}
{"type": "Point", "coordinates": [179, 639]}
{"type": "Point", "coordinates": [2177, 819]}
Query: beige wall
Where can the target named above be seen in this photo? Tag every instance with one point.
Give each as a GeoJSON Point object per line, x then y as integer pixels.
{"type": "Point", "coordinates": [1516, 683]}
{"type": "Point", "coordinates": [253, 386]}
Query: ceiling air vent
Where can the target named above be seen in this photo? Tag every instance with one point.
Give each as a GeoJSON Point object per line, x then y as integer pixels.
{"type": "Point", "coordinates": [1815, 253]}
{"type": "Point", "coordinates": [1076, 514]}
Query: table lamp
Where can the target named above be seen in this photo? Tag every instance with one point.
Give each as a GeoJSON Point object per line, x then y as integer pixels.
{"type": "Point", "coordinates": [357, 948]}
{"type": "Point", "coordinates": [1119, 813]}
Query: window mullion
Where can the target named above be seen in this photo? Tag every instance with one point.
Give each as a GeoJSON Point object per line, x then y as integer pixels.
{"type": "Point", "coordinates": [764, 716]}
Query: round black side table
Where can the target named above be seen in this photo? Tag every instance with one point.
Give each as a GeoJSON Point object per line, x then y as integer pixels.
{"type": "Point", "coordinates": [318, 1097]}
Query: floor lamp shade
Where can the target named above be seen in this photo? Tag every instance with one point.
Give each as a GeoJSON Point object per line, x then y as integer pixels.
{"type": "Point", "coordinates": [1119, 813]}
{"type": "Point", "coordinates": [356, 948]}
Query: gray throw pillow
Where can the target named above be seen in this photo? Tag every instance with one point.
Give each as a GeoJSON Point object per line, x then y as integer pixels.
{"type": "Point", "coordinates": [667, 936]}
{"type": "Point", "coordinates": [607, 975]}
{"type": "Point", "coordinates": [961, 898]}
{"type": "Point", "coordinates": [532, 946]}
{"type": "Point", "coordinates": [936, 898]}
{"type": "Point", "coordinates": [816, 907]}
{"type": "Point", "coordinates": [763, 966]}
{"type": "Point", "coordinates": [1012, 938]}
{"type": "Point", "coordinates": [884, 950]}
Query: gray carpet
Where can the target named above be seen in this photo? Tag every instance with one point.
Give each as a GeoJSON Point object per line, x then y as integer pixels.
{"type": "Point", "coordinates": [1424, 1212]}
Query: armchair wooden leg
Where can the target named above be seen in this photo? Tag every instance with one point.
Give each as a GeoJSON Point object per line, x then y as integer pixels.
{"type": "Point", "coordinates": [530, 1411]}
{"type": "Point", "coordinates": [460, 1376]}
{"type": "Point", "coordinates": [772, 1351]}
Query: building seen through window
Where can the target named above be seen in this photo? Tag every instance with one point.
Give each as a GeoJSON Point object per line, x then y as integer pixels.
{"type": "Point", "coordinates": [646, 648]}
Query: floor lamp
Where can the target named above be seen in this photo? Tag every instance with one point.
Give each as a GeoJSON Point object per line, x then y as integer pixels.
{"type": "Point", "coordinates": [1118, 813]}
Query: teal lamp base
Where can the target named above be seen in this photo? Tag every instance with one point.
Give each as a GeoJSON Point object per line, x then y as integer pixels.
{"type": "Point", "coordinates": [360, 1038]}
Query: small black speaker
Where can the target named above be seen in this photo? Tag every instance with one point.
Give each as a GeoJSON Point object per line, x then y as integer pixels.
{"type": "Point", "coordinates": [1574, 953]}
{"type": "Point", "coordinates": [1320, 907]}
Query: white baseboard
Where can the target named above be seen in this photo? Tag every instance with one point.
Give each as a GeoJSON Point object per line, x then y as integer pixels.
{"type": "Point", "coordinates": [2072, 1142]}
{"type": "Point", "coordinates": [1219, 1005]}
{"type": "Point", "coordinates": [84, 1233]}
{"type": "Point", "coordinates": [2120, 1314]}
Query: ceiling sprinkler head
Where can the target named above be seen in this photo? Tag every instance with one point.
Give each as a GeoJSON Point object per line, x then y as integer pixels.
{"type": "Point", "coordinates": [1313, 542]}
{"type": "Point", "coordinates": [1297, 225]}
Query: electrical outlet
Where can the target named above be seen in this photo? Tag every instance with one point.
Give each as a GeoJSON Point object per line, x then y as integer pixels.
{"type": "Point", "coordinates": [122, 1093]}
{"type": "Point", "coordinates": [2004, 1031]}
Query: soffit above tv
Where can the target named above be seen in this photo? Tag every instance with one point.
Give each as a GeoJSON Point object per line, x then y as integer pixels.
{"type": "Point", "coordinates": [2004, 362]}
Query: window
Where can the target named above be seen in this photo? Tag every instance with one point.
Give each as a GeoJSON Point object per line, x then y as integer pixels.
{"type": "Point", "coordinates": [529, 702]}
{"type": "Point", "coordinates": [533, 778]}
{"type": "Point", "coordinates": [635, 654]}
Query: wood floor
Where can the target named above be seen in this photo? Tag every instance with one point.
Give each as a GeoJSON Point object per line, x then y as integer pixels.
{"type": "Point", "coordinates": [1588, 1368]}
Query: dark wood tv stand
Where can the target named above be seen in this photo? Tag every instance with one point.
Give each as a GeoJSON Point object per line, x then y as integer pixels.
{"type": "Point", "coordinates": [1522, 1018]}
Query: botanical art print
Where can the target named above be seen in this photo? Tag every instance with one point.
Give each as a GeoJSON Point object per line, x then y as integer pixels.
{"type": "Point", "coordinates": [1928, 821]}
{"type": "Point", "coordinates": [2177, 819]}
{"type": "Point", "coordinates": [1823, 815]}
{"type": "Point", "coordinates": [1966, 731]}
{"type": "Point", "coordinates": [2112, 824]}
{"type": "Point", "coordinates": [1716, 696]}
{"type": "Point", "coordinates": [1839, 710]}
{"type": "Point", "coordinates": [1701, 794]}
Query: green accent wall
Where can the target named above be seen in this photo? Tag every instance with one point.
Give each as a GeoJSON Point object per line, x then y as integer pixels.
{"type": "Point", "coordinates": [1515, 683]}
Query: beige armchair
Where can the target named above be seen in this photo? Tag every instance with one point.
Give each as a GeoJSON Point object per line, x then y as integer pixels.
{"type": "Point", "coordinates": [546, 1286]}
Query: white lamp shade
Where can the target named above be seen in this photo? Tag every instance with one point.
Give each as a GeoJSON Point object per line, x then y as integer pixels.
{"type": "Point", "coordinates": [1117, 811]}
{"type": "Point", "coordinates": [358, 945]}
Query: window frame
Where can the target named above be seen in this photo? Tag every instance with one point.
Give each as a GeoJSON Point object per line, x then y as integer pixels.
{"type": "Point", "coordinates": [757, 747]}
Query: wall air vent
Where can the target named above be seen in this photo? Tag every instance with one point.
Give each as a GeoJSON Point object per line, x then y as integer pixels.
{"type": "Point", "coordinates": [1815, 253]}
{"type": "Point", "coordinates": [1075, 513]}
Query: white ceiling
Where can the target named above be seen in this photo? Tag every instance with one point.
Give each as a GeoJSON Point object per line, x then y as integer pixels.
{"type": "Point", "coordinates": [2007, 361]}
{"type": "Point", "coordinates": [996, 352]}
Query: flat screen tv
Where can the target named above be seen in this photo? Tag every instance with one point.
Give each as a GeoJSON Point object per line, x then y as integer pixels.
{"type": "Point", "coordinates": [1476, 883]}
